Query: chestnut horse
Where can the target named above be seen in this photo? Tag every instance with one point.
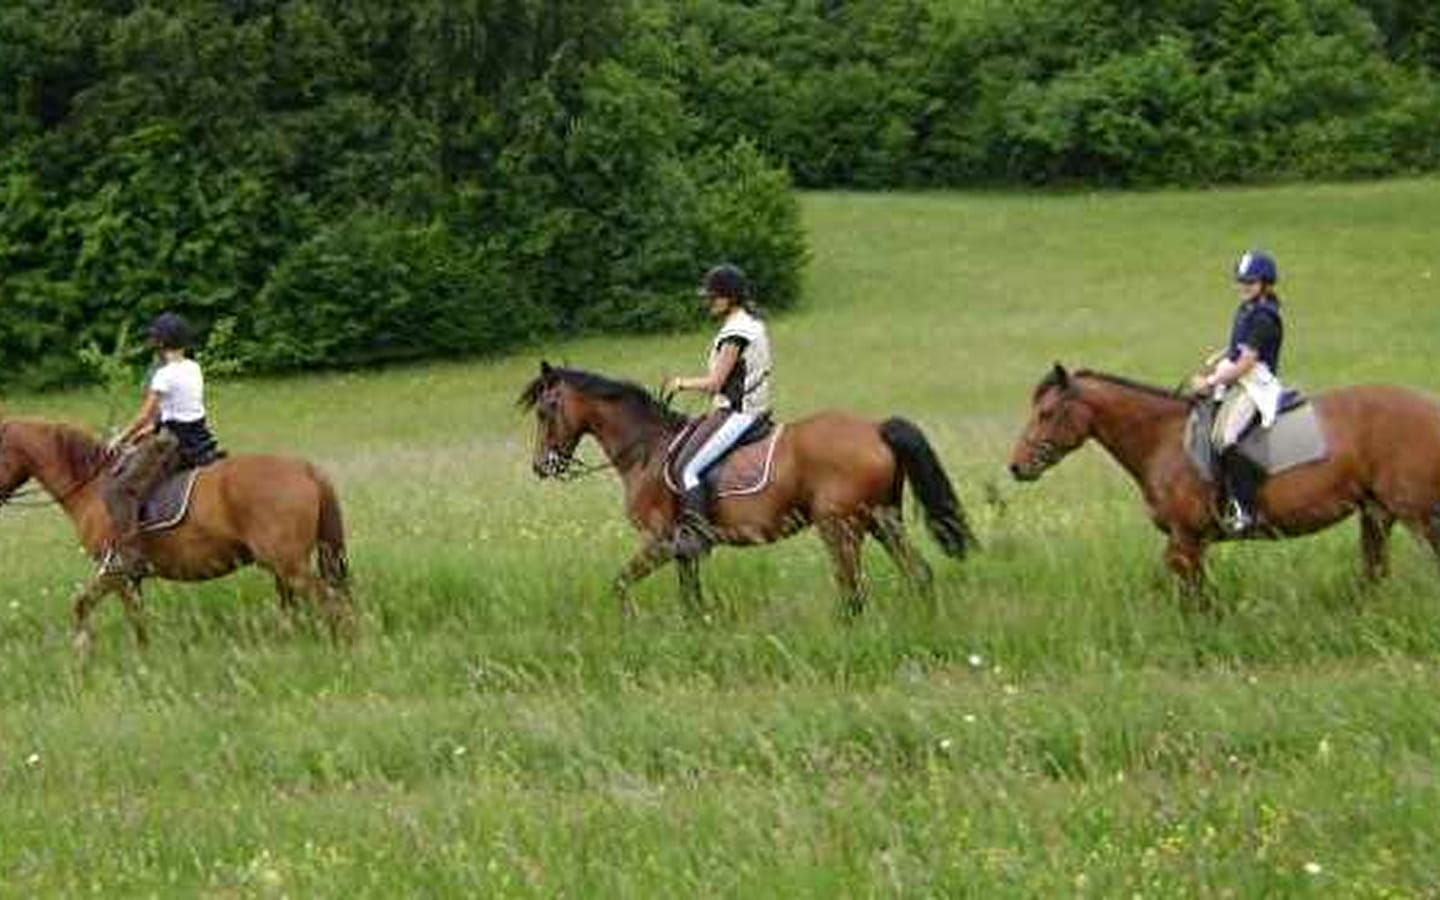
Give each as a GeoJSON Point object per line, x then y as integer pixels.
{"type": "Point", "coordinates": [276, 511]}
{"type": "Point", "coordinates": [840, 472]}
{"type": "Point", "coordinates": [1383, 462]}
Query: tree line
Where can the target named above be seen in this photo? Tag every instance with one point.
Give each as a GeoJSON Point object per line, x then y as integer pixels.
{"type": "Point", "coordinates": [344, 182]}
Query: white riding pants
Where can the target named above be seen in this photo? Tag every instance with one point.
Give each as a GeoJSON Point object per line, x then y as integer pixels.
{"type": "Point", "coordinates": [722, 440]}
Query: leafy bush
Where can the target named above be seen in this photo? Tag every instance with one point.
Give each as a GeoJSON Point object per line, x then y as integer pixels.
{"type": "Point", "coordinates": [343, 184]}
{"type": "Point", "coordinates": [374, 289]}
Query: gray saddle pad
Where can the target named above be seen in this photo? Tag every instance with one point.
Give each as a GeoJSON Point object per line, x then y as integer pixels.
{"type": "Point", "coordinates": [167, 503]}
{"type": "Point", "coordinates": [1295, 439]}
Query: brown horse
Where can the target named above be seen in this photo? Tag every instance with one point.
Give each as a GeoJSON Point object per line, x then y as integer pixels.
{"type": "Point", "coordinates": [842, 473]}
{"type": "Point", "coordinates": [271, 510]}
{"type": "Point", "coordinates": [1384, 462]}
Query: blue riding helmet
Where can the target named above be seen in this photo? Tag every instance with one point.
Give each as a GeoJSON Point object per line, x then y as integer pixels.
{"type": "Point", "coordinates": [725, 280]}
{"type": "Point", "coordinates": [1257, 265]}
{"type": "Point", "coordinates": [170, 330]}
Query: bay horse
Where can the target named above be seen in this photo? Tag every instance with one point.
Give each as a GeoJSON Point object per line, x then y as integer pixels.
{"type": "Point", "coordinates": [1383, 462]}
{"type": "Point", "coordinates": [842, 473]}
{"type": "Point", "coordinates": [275, 511]}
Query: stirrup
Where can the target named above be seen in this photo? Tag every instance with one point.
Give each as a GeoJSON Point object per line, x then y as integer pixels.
{"type": "Point", "coordinates": [693, 538]}
{"type": "Point", "coordinates": [1237, 519]}
{"type": "Point", "coordinates": [114, 565]}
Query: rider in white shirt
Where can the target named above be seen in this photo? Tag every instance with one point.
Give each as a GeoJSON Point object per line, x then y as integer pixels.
{"type": "Point", "coordinates": [738, 377]}
{"type": "Point", "coordinates": [169, 433]}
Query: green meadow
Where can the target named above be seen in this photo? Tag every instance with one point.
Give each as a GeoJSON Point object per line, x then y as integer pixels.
{"type": "Point", "coordinates": [1057, 728]}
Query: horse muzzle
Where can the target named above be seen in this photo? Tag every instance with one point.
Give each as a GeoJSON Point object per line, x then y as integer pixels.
{"type": "Point", "coordinates": [551, 464]}
{"type": "Point", "coordinates": [1025, 472]}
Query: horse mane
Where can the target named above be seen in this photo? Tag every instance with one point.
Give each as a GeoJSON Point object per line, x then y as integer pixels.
{"type": "Point", "coordinates": [600, 387]}
{"type": "Point", "coordinates": [84, 455]}
{"type": "Point", "coordinates": [1052, 379]}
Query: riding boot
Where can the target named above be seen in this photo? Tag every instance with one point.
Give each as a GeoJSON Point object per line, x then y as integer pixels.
{"type": "Point", "coordinates": [1242, 485]}
{"type": "Point", "coordinates": [123, 556]}
{"type": "Point", "coordinates": [693, 532]}
{"type": "Point", "coordinates": [124, 488]}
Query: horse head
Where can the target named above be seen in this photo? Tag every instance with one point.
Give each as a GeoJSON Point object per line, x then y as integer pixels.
{"type": "Point", "coordinates": [14, 463]}
{"type": "Point", "coordinates": [1060, 422]}
{"type": "Point", "coordinates": [561, 420]}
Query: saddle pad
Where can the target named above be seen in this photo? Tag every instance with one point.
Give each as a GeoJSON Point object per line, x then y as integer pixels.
{"type": "Point", "coordinates": [1295, 439]}
{"type": "Point", "coordinates": [167, 503]}
{"type": "Point", "coordinates": [747, 469]}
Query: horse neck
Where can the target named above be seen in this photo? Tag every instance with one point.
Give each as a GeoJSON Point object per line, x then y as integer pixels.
{"type": "Point", "coordinates": [630, 438]}
{"type": "Point", "coordinates": [75, 491]}
{"type": "Point", "coordinates": [1134, 426]}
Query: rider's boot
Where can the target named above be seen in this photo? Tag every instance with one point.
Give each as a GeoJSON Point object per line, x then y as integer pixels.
{"type": "Point", "coordinates": [693, 531]}
{"type": "Point", "coordinates": [1242, 485]}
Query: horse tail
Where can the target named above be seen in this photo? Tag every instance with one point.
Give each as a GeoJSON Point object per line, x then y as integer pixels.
{"type": "Point", "coordinates": [918, 462]}
{"type": "Point", "coordinates": [334, 566]}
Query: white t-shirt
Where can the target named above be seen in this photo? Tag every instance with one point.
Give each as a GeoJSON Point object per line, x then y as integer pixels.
{"type": "Point", "coordinates": [182, 391]}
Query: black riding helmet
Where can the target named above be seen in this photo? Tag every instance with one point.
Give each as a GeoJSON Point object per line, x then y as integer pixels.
{"type": "Point", "coordinates": [170, 331]}
{"type": "Point", "coordinates": [725, 280]}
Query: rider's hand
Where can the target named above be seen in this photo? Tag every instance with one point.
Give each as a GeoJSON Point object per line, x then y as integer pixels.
{"type": "Point", "coordinates": [670, 384]}
{"type": "Point", "coordinates": [1199, 385]}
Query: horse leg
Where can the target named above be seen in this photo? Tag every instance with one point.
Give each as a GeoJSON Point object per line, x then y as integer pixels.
{"type": "Point", "coordinates": [690, 591]}
{"type": "Point", "coordinates": [1428, 528]}
{"type": "Point", "coordinates": [133, 602]}
{"type": "Point", "coordinates": [1185, 556]}
{"type": "Point", "coordinates": [298, 579]}
{"type": "Point", "coordinates": [285, 601]}
{"type": "Point", "coordinates": [888, 527]}
{"type": "Point", "coordinates": [89, 596]}
{"type": "Point", "coordinates": [842, 537]}
{"type": "Point", "coordinates": [652, 556]}
{"type": "Point", "coordinates": [1375, 524]}
{"type": "Point", "coordinates": [284, 597]}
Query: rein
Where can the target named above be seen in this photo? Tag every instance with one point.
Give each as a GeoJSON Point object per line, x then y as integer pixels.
{"type": "Point", "coordinates": [574, 469]}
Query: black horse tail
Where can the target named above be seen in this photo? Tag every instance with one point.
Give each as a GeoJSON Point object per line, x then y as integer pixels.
{"type": "Point", "coordinates": [334, 567]}
{"type": "Point", "coordinates": [919, 463]}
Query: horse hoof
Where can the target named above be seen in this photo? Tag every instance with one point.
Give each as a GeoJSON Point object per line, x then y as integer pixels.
{"type": "Point", "coordinates": [82, 643]}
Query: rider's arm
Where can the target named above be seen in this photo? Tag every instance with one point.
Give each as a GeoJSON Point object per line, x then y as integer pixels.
{"type": "Point", "coordinates": [144, 419]}
{"type": "Point", "coordinates": [1229, 371]}
{"type": "Point", "coordinates": [712, 381]}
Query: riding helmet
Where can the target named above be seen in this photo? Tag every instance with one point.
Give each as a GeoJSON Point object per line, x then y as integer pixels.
{"type": "Point", "coordinates": [170, 330]}
{"type": "Point", "coordinates": [725, 280]}
{"type": "Point", "coordinates": [1257, 265]}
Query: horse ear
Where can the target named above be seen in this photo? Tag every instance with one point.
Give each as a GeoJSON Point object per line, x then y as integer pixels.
{"type": "Point", "coordinates": [1062, 377]}
{"type": "Point", "coordinates": [545, 368]}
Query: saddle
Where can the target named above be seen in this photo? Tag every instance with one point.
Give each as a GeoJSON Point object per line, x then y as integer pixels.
{"type": "Point", "coordinates": [746, 468]}
{"type": "Point", "coordinates": [168, 502]}
{"type": "Point", "coordinates": [1295, 439]}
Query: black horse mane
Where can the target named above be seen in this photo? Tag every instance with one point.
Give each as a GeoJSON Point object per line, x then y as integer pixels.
{"type": "Point", "coordinates": [598, 386]}
{"type": "Point", "coordinates": [1052, 379]}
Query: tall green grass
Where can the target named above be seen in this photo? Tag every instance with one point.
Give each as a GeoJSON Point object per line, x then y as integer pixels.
{"type": "Point", "coordinates": [1057, 728]}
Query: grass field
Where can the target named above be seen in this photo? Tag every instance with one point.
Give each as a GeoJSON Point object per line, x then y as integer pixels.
{"type": "Point", "coordinates": [1059, 729]}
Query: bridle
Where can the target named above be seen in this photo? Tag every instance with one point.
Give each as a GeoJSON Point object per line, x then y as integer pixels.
{"type": "Point", "coordinates": [1044, 452]}
{"type": "Point", "coordinates": [566, 466]}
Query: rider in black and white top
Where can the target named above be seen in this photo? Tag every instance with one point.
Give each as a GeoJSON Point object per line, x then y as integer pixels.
{"type": "Point", "coordinates": [738, 376]}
